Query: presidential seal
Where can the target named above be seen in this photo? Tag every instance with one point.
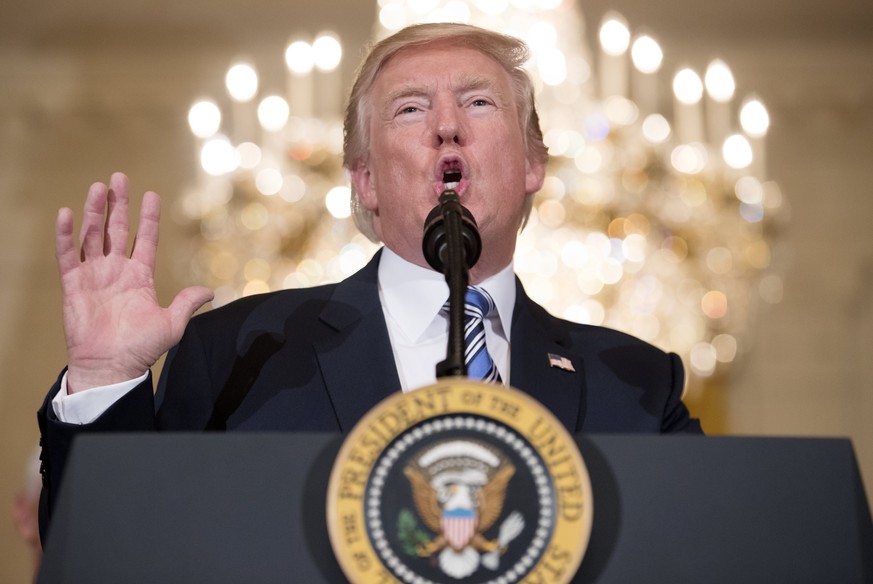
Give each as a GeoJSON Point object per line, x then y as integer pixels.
{"type": "Point", "coordinates": [460, 481]}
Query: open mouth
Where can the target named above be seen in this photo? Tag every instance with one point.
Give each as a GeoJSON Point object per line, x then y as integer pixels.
{"type": "Point", "coordinates": [451, 170]}
{"type": "Point", "coordinates": [451, 179]}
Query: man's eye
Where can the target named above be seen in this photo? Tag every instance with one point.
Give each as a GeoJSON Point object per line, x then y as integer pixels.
{"type": "Point", "coordinates": [479, 102]}
{"type": "Point", "coordinates": [410, 109]}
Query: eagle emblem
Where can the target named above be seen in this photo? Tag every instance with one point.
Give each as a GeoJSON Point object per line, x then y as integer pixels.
{"type": "Point", "coordinates": [459, 488]}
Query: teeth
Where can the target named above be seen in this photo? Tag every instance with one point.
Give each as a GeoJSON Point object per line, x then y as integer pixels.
{"type": "Point", "coordinates": [451, 179]}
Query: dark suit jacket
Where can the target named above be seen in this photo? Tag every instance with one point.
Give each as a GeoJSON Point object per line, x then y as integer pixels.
{"type": "Point", "coordinates": [318, 359]}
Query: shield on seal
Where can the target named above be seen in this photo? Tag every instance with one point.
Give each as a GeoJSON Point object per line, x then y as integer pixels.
{"type": "Point", "coordinates": [458, 525]}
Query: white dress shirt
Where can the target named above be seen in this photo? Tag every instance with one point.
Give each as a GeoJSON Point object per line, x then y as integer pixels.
{"type": "Point", "coordinates": [412, 298]}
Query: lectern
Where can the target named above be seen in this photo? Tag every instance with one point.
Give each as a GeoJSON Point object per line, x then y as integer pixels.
{"type": "Point", "coordinates": [183, 508]}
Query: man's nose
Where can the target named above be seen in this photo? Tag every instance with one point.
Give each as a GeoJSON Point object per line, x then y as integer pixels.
{"type": "Point", "coordinates": [449, 127]}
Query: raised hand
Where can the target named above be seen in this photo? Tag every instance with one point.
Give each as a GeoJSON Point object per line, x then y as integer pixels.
{"type": "Point", "coordinates": [115, 328]}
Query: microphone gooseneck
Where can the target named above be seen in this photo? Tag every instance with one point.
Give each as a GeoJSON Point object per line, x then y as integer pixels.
{"type": "Point", "coordinates": [452, 245]}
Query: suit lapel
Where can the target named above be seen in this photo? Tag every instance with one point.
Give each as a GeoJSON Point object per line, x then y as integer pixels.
{"type": "Point", "coordinates": [358, 368]}
{"type": "Point", "coordinates": [355, 357]}
{"type": "Point", "coordinates": [536, 335]}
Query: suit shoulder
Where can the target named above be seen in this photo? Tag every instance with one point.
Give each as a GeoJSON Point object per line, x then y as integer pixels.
{"type": "Point", "coordinates": [612, 337]}
{"type": "Point", "coordinates": [592, 335]}
{"type": "Point", "coordinates": [270, 305]}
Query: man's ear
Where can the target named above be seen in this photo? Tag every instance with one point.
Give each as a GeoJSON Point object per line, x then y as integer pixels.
{"type": "Point", "coordinates": [364, 185]}
{"type": "Point", "coordinates": [534, 175]}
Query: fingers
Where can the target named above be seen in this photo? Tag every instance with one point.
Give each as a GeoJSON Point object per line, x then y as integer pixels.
{"type": "Point", "coordinates": [94, 211]}
{"type": "Point", "coordinates": [185, 304]}
{"type": "Point", "coordinates": [145, 246]}
{"type": "Point", "coordinates": [65, 248]}
{"type": "Point", "coordinates": [117, 225]}
{"type": "Point", "coordinates": [105, 223]}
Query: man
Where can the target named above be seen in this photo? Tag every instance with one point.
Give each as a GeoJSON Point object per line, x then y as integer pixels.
{"type": "Point", "coordinates": [433, 106]}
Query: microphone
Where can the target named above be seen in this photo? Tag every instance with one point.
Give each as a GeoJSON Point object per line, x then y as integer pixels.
{"type": "Point", "coordinates": [439, 222]}
{"type": "Point", "coordinates": [452, 245]}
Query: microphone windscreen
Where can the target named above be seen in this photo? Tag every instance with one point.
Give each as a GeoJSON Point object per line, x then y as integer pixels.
{"type": "Point", "coordinates": [435, 243]}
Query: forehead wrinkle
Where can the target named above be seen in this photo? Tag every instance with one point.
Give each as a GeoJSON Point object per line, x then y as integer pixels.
{"type": "Point", "coordinates": [463, 85]}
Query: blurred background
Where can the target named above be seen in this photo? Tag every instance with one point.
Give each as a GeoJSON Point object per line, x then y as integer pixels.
{"type": "Point", "coordinates": [757, 270]}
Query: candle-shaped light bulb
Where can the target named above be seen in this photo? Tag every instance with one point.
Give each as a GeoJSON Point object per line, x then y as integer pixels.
{"type": "Point", "coordinates": [614, 34]}
{"type": "Point", "coordinates": [327, 54]}
{"type": "Point", "coordinates": [327, 51]}
{"type": "Point", "coordinates": [242, 82]}
{"type": "Point", "coordinates": [299, 57]}
{"type": "Point", "coordinates": [218, 156]}
{"type": "Point", "coordinates": [754, 118]}
{"type": "Point", "coordinates": [687, 86]}
{"type": "Point", "coordinates": [647, 58]}
{"type": "Point", "coordinates": [720, 87]}
{"type": "Point", "coordinates": [688, 111]}
{"type": "Point", "coordinates": [204, 118]}
{"type": "Point", "coordinates": [273, 113]}
{"type": "Point", "coordinates": [719, 81]}
{"type": "Point", "coordinates": [737, 151]}
{"type": "Point", "coordinates": [646, 54]}
{"type": "Point", "coordinates": [614, 41]}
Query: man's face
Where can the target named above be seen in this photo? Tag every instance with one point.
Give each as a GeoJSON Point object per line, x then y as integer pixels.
{"type": "Point", "coordinates": [438, 108]}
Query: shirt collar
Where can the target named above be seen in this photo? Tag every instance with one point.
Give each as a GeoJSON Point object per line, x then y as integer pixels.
{"type": "Point", "coordinates": [413, 295]}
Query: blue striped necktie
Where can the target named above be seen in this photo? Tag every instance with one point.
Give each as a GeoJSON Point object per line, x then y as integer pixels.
{"type": "Point", "coordinates": [478, 304]}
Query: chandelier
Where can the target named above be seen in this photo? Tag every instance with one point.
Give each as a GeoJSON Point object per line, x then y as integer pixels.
{"type": "Point", "coordinates": [655, 218]}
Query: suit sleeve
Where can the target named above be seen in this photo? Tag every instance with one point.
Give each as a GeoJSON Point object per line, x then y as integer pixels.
{"type": "Point", "coordinates": [132, 413]}
{"type": "Point", "coordinates": [676, 417]}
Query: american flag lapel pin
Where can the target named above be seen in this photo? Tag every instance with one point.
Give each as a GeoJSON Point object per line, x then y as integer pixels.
{"type": "Point", "coordinates": [561, 362]}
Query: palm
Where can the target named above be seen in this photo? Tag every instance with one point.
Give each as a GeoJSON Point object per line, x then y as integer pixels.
{"type": "Point", "coordinates": [109, 306]}
{"type": "Point", "coordinates": [114, 326]}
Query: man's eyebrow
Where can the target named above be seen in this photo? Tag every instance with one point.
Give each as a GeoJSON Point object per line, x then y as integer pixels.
{"type": "Point", "coordinates": [404, 91]}
{"type": "Point", "coordinates": [464, 85]}
{"type": "Point", "coordinates": [488, 85]}
{"type": "Point", "coordinates": [476, 83]}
